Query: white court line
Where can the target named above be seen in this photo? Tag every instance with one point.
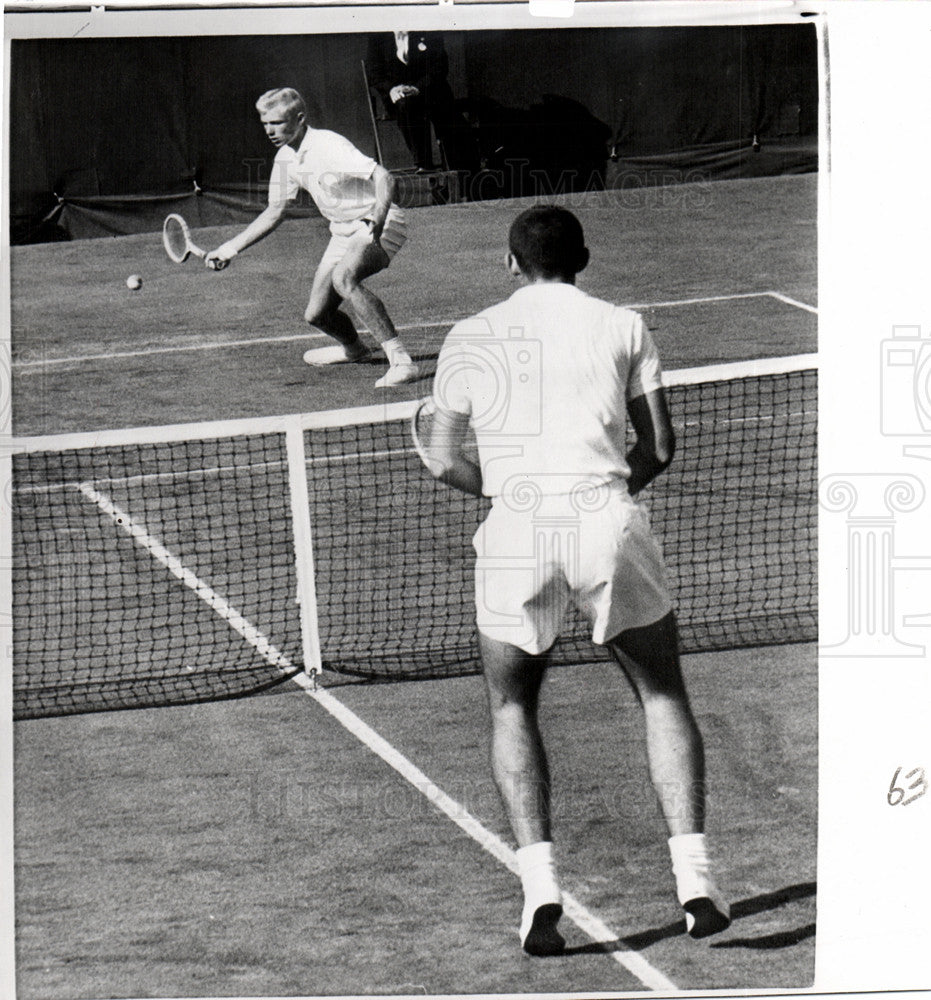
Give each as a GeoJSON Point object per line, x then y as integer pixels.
{"type": "Point", "coordinates": [793, 302]}
{"type": "Point", "coordinates": [695, 302]}
{"type": "Point", "coordinates": [722, 298]}
{"type": "Point", "coordinates": [212, 346]}
{"type": "Point", "coordinates": [174, 566]}
{"type": "Point", "coordinates": [26, 366]}
{"type": "Point", "coordinates": [174, 349]}
{"type": "Point", "coordinates": [599, 932]}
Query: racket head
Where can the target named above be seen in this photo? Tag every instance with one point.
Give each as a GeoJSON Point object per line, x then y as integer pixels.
{"type": "Point", "coordinates": [176, 236]}
{"type": "Point", "coordinates": [422, 428]}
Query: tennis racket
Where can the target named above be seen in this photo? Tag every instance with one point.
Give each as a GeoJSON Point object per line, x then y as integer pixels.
{"type": "Point", "coordinates": [176, 235]}
{"type": "Point", "coordinates": [422, 427]}
{"type": "Point", "coordinates": [422, 433]}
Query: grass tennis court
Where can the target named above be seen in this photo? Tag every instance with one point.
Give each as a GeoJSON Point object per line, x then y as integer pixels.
{"type": "Point", "coordinates": [256, 847]}
{"type": "Point", "coordinates": [81, 338]}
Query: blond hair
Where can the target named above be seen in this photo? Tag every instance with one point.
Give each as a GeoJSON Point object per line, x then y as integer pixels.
{"type": "Point", "coordinates": [286, 98]}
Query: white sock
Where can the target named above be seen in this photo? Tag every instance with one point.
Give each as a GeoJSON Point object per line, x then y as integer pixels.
{"type": "Point", "coordinates": [395, 352]}
{"type": "Point", "coordinates": [538, 878]}
{"type": "Point", "coordinates": [691, 866]}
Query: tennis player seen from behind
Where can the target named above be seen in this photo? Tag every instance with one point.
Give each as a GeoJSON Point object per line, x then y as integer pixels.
{"type": "Point", "coordinates": [548, 379]}
{"type": "Point", "coordinates": [367, 229]}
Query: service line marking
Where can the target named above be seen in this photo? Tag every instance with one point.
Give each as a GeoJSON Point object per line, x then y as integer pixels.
{"type": "Point", "coordinates": [39, 363]}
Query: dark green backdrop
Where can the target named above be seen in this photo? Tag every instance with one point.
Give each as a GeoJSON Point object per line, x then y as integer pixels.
{"type": "Point", "coordinates": [107, 133]}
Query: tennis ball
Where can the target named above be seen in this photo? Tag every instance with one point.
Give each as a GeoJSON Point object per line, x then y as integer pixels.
{"type": "Point", "coordinates": [134, 282]}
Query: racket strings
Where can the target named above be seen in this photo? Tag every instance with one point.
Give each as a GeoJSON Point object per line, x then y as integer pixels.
{"type": "Point", "coordinates": [176, 238]}
{"type": "Point", "coordinates": [428, 439]}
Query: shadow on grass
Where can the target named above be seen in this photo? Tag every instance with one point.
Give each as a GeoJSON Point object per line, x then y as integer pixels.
{"type": "Point", "coordinates": [743, 908]}
{"type": "Point", "coordinates": [783, 939]}
{"type": "Point", "coordinates": [377, 360]}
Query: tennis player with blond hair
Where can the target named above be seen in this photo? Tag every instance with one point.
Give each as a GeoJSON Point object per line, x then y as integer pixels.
{"type": "Point", "coordinates": [355, 194]}
{"type": "Point", "coordinates": [548, 380]}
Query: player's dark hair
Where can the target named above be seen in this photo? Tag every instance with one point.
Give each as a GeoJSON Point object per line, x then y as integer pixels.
{"type": "Point", "coordinates": [548, 241]}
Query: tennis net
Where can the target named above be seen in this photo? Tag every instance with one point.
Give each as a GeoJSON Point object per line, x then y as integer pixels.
{"type": "Point", "coordinates": [179, 564]}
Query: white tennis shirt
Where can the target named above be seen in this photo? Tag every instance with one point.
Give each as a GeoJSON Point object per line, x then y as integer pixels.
{"type": "Point", "coordinates": [545, 377]}
{"type": "Point", "coordinates": [337, 176]}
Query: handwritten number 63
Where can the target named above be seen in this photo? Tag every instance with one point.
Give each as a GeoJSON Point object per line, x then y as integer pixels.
{"type": "Point", "coordinates": [896, 794]}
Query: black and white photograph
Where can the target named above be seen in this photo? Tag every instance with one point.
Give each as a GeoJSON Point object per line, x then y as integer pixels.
{"type": "Point", "coordinates": [425, 568]}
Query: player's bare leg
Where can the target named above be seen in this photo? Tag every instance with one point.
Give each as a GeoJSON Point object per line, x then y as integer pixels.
{"type": "Point", "coordinates": [513, 679]}
{"type": "Point", "coordinates": [324, 313]}
{"type": "Point", "coordinates": [361, 262]}
{"type": "Point", "coordinates": [650, 658]}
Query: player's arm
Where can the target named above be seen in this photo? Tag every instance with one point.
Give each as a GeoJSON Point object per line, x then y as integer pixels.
{"type": "Point", "coordinates": [385, 187]}
{"type": "Point", "coordinates": [446, 461]}
{"type": "Point", "coordinates": [267, 220]}
{"type": "Point", "coordinates": [656, 439]}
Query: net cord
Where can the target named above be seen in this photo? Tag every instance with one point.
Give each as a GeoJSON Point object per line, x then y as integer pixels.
{"type": "Point", "coordinates": [250, 426]}
{"type": "Point", "coordinates": [303, 549]}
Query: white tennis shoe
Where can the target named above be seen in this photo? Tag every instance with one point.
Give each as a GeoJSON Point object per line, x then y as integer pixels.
{"type": "Point", "coordinates": [398, 374]}
{"type": "Point", "coordinates": [335, 355]}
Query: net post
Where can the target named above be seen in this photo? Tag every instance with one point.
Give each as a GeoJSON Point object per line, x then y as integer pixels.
{"type": "Point", "coordinates": [303, 548]}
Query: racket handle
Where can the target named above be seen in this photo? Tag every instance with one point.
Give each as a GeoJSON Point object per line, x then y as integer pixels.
{"type": "Point", "coordinates": [222, 256]}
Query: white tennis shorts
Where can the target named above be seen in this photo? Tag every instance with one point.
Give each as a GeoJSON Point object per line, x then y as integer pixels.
{"type": "Point", "coordinates": [344, 235]}
{"type": "Point", "coordinates": [594, 548]}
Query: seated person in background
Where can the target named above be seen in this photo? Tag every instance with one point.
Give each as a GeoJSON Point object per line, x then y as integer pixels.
{"type": "Point", "coordinates": [409, 70]}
